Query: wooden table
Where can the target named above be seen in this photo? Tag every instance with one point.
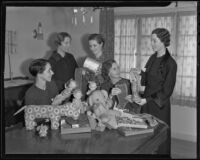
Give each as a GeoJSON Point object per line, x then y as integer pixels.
{"type": "Point", "coordinates": [20, 141]}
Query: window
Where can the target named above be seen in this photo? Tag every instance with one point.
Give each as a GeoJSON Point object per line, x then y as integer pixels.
{"type": "Point", "coordinates": [10, 48]}
{"type": "Point", "coordinates": [125, 43]}
{"type": "Point", "coordinates": [186, 58]}
{"type": "Point", "coordinates": [11, 44]}
{"type": "Point", "coordinates": [133, 47]}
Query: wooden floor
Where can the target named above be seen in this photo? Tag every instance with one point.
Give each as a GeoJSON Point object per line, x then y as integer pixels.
{"type": "Point", "coordinates": [181, 149]}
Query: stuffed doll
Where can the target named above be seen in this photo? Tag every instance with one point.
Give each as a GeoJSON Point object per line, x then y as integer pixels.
{"type": "Point", "coordinates": [66, 93]}
{"type": "Point", "coordinates": [135, 86]}
{"type": "Point", "coordinates": [92, 87]}
{"type": "Point", "coordinates": [135, 82]}
{"type": "Point", "coordinates": [100, 111]}
{"type": "Point", "coordinates": [77, 103]}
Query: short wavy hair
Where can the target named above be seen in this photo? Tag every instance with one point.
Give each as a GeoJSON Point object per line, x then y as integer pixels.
{"type": "Point", "coordinates": [61, 37]}
{"type": "Point", "coordinates": [97, 37]}
{"type": "Point", "coordinates": [37, 66]}
{"type": "Point", "coordinates": [163, 34]}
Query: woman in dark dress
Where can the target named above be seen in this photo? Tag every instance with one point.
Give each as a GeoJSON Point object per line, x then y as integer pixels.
{"type": "Point", "coordinates": [159, 79]}
{"type": "Point", "coordinates": [63, 63]}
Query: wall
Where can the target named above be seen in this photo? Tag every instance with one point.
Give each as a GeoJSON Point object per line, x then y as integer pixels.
{"type": "Point", "coordinates": [54, 19]}
{"type": "Point", "coordinates": [184, 123]}
{"type": "Point", "coordinates": [183, 118]}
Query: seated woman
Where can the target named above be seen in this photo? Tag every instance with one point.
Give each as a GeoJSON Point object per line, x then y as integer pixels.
{"type": "Point", "coordinates": [111, 74]}
{"type": "Point", "coordinates": [44, 89]}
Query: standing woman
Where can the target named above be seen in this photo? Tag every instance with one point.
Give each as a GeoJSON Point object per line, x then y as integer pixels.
{"type": "Point", "coordinates": [63, 63]}
{"type": "Point", "coordinates": [159, 79]}
{"type": "Point", "coordinates": [96, 44]}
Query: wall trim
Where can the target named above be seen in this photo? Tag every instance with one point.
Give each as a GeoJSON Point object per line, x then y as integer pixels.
{"type": "Point", "coordinates": [182, 136]}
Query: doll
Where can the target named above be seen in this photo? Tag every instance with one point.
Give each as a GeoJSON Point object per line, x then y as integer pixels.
{"type": "Point", "coordinates": [92, 87]}
{"type": "Point", "coordinates": [77, 103]}
{"type": "Point", "coordinates": [66, 93]}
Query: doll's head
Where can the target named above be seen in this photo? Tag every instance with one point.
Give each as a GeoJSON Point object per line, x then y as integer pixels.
{"type": "Point", "coordinates": [77, 94]}
{"type": "Point", "coordinates": [71, 84]}
{"type": "Point", "coordinates": [92, 86]}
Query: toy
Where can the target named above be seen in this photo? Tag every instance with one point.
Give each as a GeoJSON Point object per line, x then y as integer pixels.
{"type": "Point", "coordinates": [92, 87]}
{"type": "Point", "coordinates": [77, 104]}
{"type": "Point", "coordinates": [48, 111]}
{"type": "Point", "coordinates": [100, 114]}
{"type": "Point", "coordinates": [69, 87]}
{"type": "Point", "coordinates": [135, 82]}
{"type": "Point", "coordinates": [100, 97]}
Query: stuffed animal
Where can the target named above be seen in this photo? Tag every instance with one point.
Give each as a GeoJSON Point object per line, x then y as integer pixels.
{"type": "Point", "coordinates": [48, 111]}
{"type": "Point", "coordinates": [100, 112]}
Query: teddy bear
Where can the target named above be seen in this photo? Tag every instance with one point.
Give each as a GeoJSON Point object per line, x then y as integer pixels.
{"type": "Point", "coordinates": [100, 114]}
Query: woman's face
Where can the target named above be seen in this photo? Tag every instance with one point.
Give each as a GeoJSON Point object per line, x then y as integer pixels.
{"type": "Point", "coordinates": [95, 47]}
{"type": "Point", "coordinates": [114, 71]}
{"type": "Point", "coordinates": [65, 44]}
{"type": "Point", "coordinates": [156, 44]}
{"type": "Point", "coordinates": [47, 73]}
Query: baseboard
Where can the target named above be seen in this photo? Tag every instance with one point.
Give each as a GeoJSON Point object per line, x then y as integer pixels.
{"type": "Point", "coordinates": [185, 137]}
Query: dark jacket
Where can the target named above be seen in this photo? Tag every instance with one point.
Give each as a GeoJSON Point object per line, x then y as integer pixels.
{"type": "Point", "coordinates": [159, 87]}
{"type": "Point", "coordinates": [63, 68]}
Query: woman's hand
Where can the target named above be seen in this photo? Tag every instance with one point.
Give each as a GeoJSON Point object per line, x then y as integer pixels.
{"type": "Point", "coordinates": [140, 101]}
{"type": "Point", "coordinates": [115, 91]}
{"type": "Point", "coordinates": [129, 98]}
{"type": "Point", "coordinates": [135, 70]}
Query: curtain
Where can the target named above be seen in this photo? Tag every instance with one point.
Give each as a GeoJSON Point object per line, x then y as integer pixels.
{"type": "Point", "coordinates": [106, 28]}
{"type": "Point", "coordinates": [185, 90]}
{"type": "Point", "coordinates": [125, 44]}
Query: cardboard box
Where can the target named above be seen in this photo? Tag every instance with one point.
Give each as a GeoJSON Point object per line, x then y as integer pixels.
{"type": "Point", "coordinates": [69, 125]}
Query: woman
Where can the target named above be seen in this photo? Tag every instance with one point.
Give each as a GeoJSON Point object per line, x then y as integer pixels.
{"type": "Point", "coordinates": [63, 63]}
{"type": "Point", "coordinates": [111, 74]}
{"type": "Point", "coordinates": [159, 78]}
{"type": "Point", "coordinates": [96, 44]}
{"type": "Point", "coordinates": [44, 89]}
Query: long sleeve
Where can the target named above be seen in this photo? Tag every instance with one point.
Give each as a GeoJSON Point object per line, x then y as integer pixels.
{"type": "Point", "coordinates": [144, 73]}
{"type": "Point", "coordinates": [166, 91]}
